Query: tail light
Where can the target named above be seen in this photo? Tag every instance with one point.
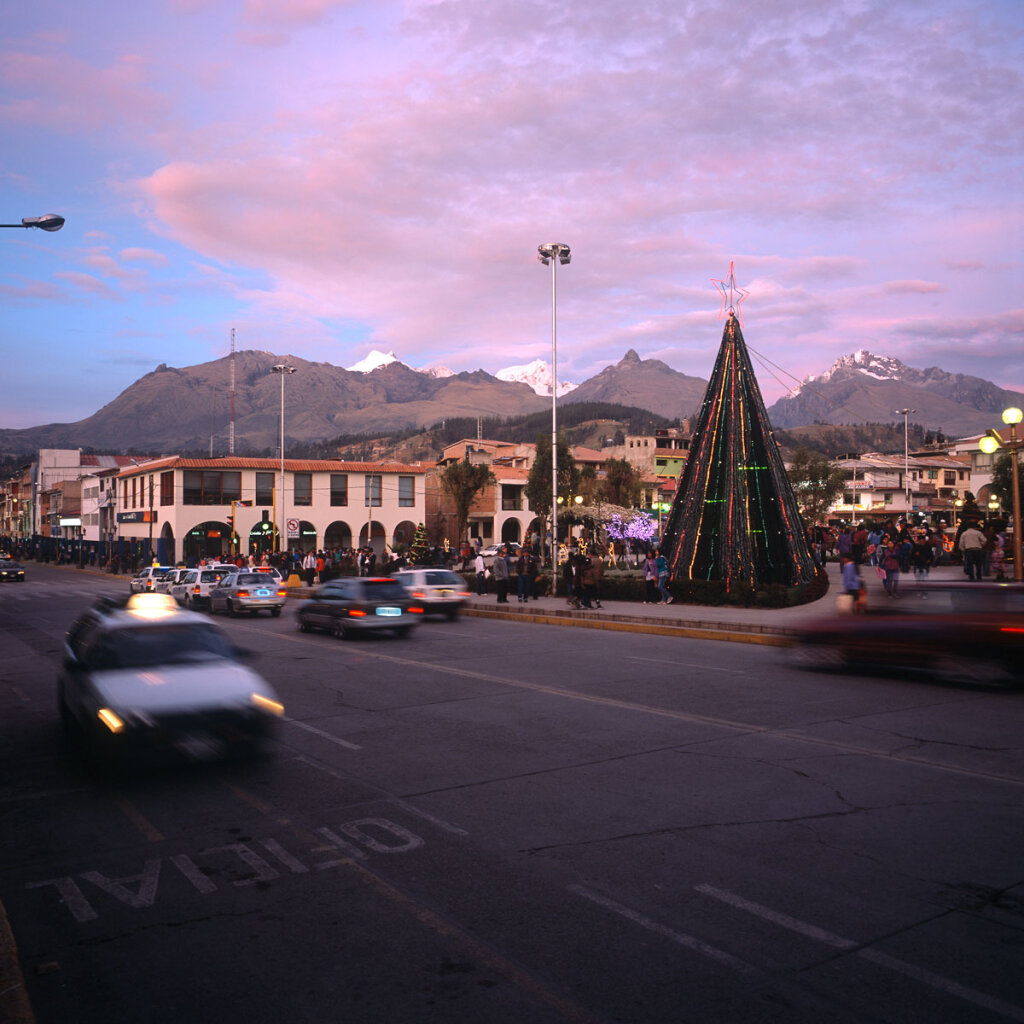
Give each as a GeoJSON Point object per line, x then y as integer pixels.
{"type": "Point", "coordinates": [356, 613]}
{"type": "Point", "coordinates": [241, 593]}
{"type": "Point", "coordinates": [420, 594]}
{"type": "Point", "coordinates": [282, 593]}
{"type": "Point", "coordinates": [416, 610]}
{"type": "Point", "coordinates": [195, 589]}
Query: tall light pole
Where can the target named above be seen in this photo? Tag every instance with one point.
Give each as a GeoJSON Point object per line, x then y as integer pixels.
{"type": "Point", "coordinates": [988, 444]}
{"type": "Point", "coordinates": [47, 222]}
{"type": "Point", "coordinates": [551, 254]}
{"type": "Point", "coordinates": [905, 413]}
{"type": "Point", "coordinates": [283, 370]}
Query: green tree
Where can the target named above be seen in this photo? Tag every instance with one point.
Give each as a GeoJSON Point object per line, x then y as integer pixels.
{"type": "Point", "coordinates": [1002, 481]}
{"type": "Point", "coordinates": [622, 483]}
{"type": "Point", "coordinates": [421, 553]}
{"type": "Point", "coordinates": [538, 485]}
{"type": "Point", "coordinates": [462, 482]}
{"type": "Point", "coordinates": [816, 484]}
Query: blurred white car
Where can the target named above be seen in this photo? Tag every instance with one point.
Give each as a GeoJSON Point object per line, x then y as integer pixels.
{"type": "Point", "coordinates": [144, 677]}
{"type": "Point", "coordinates": [439, 591]}
{"type": "Point", "coordinates": [145, 580]}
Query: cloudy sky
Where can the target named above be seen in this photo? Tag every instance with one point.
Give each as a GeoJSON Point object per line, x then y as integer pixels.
{"type": "Point", "coordinates": [328, 177]}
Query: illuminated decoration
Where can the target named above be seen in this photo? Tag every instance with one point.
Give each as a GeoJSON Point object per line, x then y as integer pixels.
{"type": "Point", "coordinates": [735, 517]}
{"type": "Point", "coordinates": [732, 295]}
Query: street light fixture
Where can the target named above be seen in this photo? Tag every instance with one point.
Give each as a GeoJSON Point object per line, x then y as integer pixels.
{"type": "Point", "coordinates": [283, 370]}
{"type": "Point", "coordinates": [989, 444]}
{"type": "Point", "coordinates": [47, 222]}
{"type": "Point", "coordinates": [551, 254]}
{"type": "Point", "coordinates": [905, 413]}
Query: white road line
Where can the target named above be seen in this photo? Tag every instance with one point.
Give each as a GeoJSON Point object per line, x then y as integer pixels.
{"type": "Point", "coordinates": [680, 938]}
{"type": "Point", "coordinates": [926, 977]}
{"type": "Point", "coordinates": [690, 664]}
{"type": "Point", "coordinates": [322, 734]}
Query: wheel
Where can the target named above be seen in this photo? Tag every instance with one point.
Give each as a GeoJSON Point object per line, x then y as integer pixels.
{"type": "Point", "coordinates": [818, 657]}
{"type": "Point", "coordinates": [303, 626]}
{"type": "Point", "coordinates": [213, 607]}
{"type": "Point", "coordinates": [339, 630]}
{"type": "Point", "coordinates": [232, 610]}
{"type": "Point", "coordinates": [276, 612]}
{"type": "Point", "coordinates": [189, 603]}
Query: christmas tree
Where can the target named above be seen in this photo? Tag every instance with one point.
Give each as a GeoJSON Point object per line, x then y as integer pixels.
{"type": "Point", "coordinates": [735, 517]}
{"type": "Point", "coordinates": [421, 552]}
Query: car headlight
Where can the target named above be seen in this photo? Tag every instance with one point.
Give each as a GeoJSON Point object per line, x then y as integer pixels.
{"type": "Point", "coordinates": [267, 704]}
{"type": "Point", "coordinates": [111, 720]}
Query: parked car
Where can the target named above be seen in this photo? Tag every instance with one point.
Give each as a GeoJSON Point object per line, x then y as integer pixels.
{"type": "Point", "coordinates": [193, 589]}
{"type": "Point", "coordinates": [145, 580]}
{"type": "Point", "coordinates": [251, 592]}
{"type": "Point", "coordinates": [11, 570]}
{"type": "Point", "coordinates": [164, 583]}
{"type": "Point", "coordinates": [440, 591]}
{"type": "Point", "coordinates": [142, 676]}
{"type": "Point", "coordinates": [358, 604]}
{"type": "Point", "coordinates": [966, 631]}
{"type": "Point", "coordinates": [511, 549]}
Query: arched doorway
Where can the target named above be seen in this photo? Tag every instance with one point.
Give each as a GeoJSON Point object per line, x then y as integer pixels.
{"type": "Point", "coordinates": [511, 532]}
{"type": "Point", "coordinates": [403, 536]}
{"type": "Point", "coordinates": [376, 540]}
{"type": "Point", "coordinates": [165, 545]}
{"type": "Point", "coordinates": [338, 535]}
{"type": "Point", "coordinates": [307, 537]}
{"type": "Point", "coordinates": [263, 537]}
{"type": "Point", "coordinates": [210, 540]}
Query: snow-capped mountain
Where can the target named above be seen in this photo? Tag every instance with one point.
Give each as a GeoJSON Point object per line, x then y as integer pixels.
{"type": "Point", "coordinates": [373, 361]}
{"type": "Point", "coordinates": [537, 375]}
{"type": "Point", "coordinates": [865, 362]}
{"type": "Point", "coordinates": [438, 371]}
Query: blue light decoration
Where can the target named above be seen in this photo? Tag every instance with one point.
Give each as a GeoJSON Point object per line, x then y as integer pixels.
{"type": "Point", "coordinates": [735, 517]}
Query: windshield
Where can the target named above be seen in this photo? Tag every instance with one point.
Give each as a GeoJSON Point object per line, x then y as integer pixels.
{"type": "Point", "coordinates": [384, 590]}
{"type": "Point", "coordinates": [150, 646]}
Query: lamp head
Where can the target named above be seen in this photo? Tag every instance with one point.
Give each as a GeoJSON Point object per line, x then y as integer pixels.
{"type": "Point", "coordinates": [989, 444]}
{"type": "Point", "coordinates": [1012, 416]}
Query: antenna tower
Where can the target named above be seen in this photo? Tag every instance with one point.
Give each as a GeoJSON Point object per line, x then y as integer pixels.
{"type": "Point", "coordinates": [231, 427]}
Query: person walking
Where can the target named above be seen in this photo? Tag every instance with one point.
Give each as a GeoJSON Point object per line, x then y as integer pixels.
{"type": "Point", "coordinates": [501, 575]}
{"type": "Point", "coordinates": [524, 576]}
{"type": "Point", "coordinates": [891, 568]}
{"type": "Point", "coordinates": [972, 545]}
{"type": "Point", "coordinates": [481, 575]}
{"type": "Point", "coordinates": [663, 575]}
{"type": "Point", "coordinates": [650, 579]}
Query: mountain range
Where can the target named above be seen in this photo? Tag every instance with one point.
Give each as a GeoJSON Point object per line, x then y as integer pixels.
{"type": "Point", "coordinates": [188, 409]}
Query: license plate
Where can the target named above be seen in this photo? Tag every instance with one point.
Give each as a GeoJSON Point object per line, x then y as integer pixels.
{"type": "Point", "coordinates": [263, 593]}
{"type": "Point", "coordinates": [385, 610]}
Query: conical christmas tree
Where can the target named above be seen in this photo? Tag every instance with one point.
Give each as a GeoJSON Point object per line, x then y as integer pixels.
{"type": "Point", "coordinates": [735, 517]}
{"type": "Point", "coordinates": [420, 553]}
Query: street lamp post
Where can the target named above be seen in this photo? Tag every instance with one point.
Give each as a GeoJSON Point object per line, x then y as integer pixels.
{"type": "Point", "coordinates": [47, 222]}
{"type": "Point", "coordinates": [551, 254]}
{"type": "Point", "coordinates": [905, 413]}
{"type": "Point", "coordinates": [283, 370]}
{"type": "Point", "coordinates": [989, 444]}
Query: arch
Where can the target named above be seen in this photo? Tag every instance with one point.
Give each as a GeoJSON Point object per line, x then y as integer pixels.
{"type": "Point", "coordinates": [307, 537]}
{"type": "Point", "coordinates": [376, 540]}
{"type": "Point", "coordinates": [511, 531]}
{"type": "Point", "coordinates": [404, 534]}
{"type": "Point", "coordinates": [264, 536]}
{"type": "Point", "coordinates": [165, 545]}
{"type": "Point", "coordinates": [209, 539]}
{"type": "Point", "coordinates": [338, 535]}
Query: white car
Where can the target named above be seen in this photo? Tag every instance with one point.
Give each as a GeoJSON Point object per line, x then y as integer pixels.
{"type": "Point", "coordinates": [439, 591]}
{"type": "Point", "coordinates": [193, 588]}
{"type": "Point", "coordinates": [164, 583]}
{"type": "Point", "coordinates": [143, 677]}
{"type": "Point", "coordinates": [145, 580]}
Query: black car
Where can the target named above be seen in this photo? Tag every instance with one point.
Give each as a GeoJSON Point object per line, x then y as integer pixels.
{"type": "Point", "coordinates": [10, 570]}
{"type": "Point", "coordinates": [964, 632]}
{"type": "Point", "coordinates": [360, 604]}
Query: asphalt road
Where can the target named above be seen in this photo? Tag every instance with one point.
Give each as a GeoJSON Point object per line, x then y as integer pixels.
{"type": "Point", "coordinates": [509, 822]}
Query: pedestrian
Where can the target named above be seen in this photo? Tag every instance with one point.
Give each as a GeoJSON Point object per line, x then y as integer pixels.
{"type": "Point", "coordinates": [663, 577]}
{"type": "Point", "coordinates": [972, 545]}
{"type": "Point", "coordinates": [851, 599]}
{"type": "Point", "coordinates": [650, 579]}
{"type": "Point", "coordinates": [481, 574]}
{"type": "Point", "coordinates": [588, 579]}
{"type": "Point", "coordinates": [501, 575]}
{"type": "Point", "coordinates": [309, 567]}
{"type": "Point", "coordinates": [921, 558]}
{"type": "Point", "coordinates": [891, 568]}
{"type": "Point", "coordinates": [524, 576]}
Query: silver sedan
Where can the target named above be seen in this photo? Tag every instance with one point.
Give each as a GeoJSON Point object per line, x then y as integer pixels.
{"type": "Point", "coordinates": [247, 592]}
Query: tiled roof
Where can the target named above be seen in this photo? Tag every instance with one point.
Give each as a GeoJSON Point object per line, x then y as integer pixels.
{"type": "Point", "coordinates": [290, 465]}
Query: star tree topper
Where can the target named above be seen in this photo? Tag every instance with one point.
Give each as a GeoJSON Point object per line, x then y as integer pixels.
{"type": "Point", "coordinates": [732, 294]}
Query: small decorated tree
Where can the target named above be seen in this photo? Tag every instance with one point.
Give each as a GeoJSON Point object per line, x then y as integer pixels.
{"type": "Point", "coordinates": [421, 552]}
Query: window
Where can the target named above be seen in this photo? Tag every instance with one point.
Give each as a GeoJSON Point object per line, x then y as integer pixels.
{"type": "Point", "coordinates": [339, 489]}
{"type": "Point", "coordinates": [949, 477]}
{"type": "Point", "coordinates": [167, 488]}
{"type": "Point", "coordinates": [511, 498]}
{"type": "Point", "coordinates": [372, 496]}
{"type": "Point", "coordinates": [205, 487]}
{"type": "Point", "coordinates": [302, 484]}
{"type": "Point", "coordinates": [265, 488]}
{"type": "Point", "coordinates": [406, 491]}
{"type": "Point", "coordinates": [134, 482]}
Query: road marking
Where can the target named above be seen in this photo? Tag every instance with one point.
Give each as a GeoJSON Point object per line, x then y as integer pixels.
{"type": "Point", "coordinates": [324, 735]}
{"type": "Point", "coordinates": [690, 664]}
{"type": "Point", "coordinates": [880, 959]}
{"type": "Point", "coordinates": [149, 831]}
{"type": "Point", "coordinates": [680, 938]}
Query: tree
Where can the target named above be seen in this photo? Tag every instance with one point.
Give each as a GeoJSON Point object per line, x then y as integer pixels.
{"type": "Point", "coordinates": [462, 482]}
{"type": "Point", "coordinates": [816, 484]}
{"type": "Point", "coordinates": [622, 483]}
{"type": "Point", "coordinates": [421, 553]}
{"type": "Point", "coordinates": [1002, 480]}
{"type": "Point", "coordinates": [538, 485]}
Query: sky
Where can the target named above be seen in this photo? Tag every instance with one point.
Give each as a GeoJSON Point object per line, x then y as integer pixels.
{"type": "Point", "coordinates": [330, 177]}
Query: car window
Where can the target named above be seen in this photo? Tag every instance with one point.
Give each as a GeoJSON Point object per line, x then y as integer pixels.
{"type": "Point", "coordinates": [252, 579]}
{"type": "Point", "coordinates": [384, 590]}
{"type": "Point", "coordinates": [442, 577]}
{"type": "Point", "coordinates": [150, 646]}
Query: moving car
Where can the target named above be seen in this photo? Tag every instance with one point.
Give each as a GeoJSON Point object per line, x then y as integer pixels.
{"type": "Point", "coordinates": [142, 676]}
{"type": "Point", "coordinates": [360, 604]}
{"type": "Point", "coordinates": [145, 580]}
{"type": "Point", "coordinates": [440, 591]}
{"type": "Point", "coordinates": [193, 589]}
{"type": "Point", "coordinates": [488, 553]}
{"type": "Point", "coordinates": [11, 570]}
{"type": "Point", "coordinates": [250, 592]}
{"type": "Point", "coordinates": [969, 632]}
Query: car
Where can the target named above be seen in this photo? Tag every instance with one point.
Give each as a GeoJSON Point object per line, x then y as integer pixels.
{"type": "Point", "coordinates": [164, 583]}
{"type": "Point", "coordinates": [251, 592]}
{"type": "Point", "coordinates": [350, 605]}
{"type": "Point", "coordinates": [440, 591]}
{"type": "Point", "coordinates": [957, 631]}
{"type": "Point", "coordinates": [267, 570]}
{"type": "Point", "coordinates": [145, 580]}
{"type": "Point", "coordinates": [11, 570]}
{"type": "Point", "coordinates": [193, 588]}
{"type": "Point", "coordinates": [511, 549]}
{"type": "Point", "coordinates": [142, 677]}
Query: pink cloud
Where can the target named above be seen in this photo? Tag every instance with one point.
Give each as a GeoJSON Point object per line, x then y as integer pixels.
{"type": "Point", "coordinates": [88, 283]}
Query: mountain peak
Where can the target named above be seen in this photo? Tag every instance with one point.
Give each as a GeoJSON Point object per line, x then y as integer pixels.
{"type": "Point", "coordinates": [537, 375]}
{"type": "Point", "coordinates": [373, 361]}
{"type": "Point", "coordinates": [631, 357]}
